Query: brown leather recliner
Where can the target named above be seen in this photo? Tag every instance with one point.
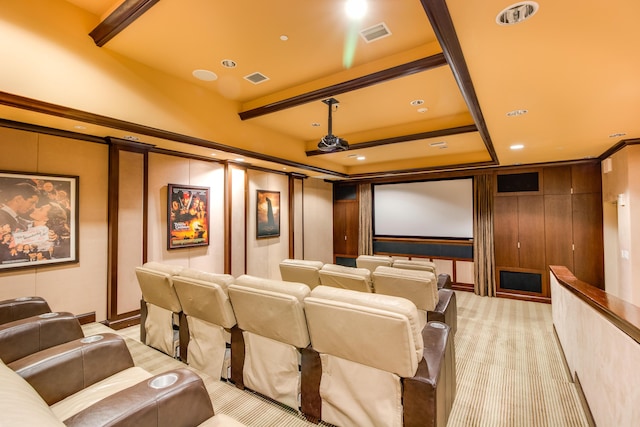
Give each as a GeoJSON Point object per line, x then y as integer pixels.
{"type": "Point", "coordinates": [22, 307]}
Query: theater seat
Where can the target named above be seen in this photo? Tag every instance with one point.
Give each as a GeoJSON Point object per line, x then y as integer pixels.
{"type": "Point", "coordinates": [415, 264]}
{"type": "Point", "coordinates": [301, 271]}
{"type": "Point", "coordinates": [340, 276]}
{"type": "Point", "coordinates": [26, 336]}
{"type": "Point", "coordinates": [160, 307]}
{"type": "Point", "coordinates": [378, 367]}
{"type": "Point", "coordinates": [271, 331]}
{"type": "Point", "coordinates": [417, 286]}
{"type": "Point", "coordinates": [370, 262]}
{"type": "Point", "coordinates": [22, 307]}
{"type": "Point", "coordinates": [205, 327]}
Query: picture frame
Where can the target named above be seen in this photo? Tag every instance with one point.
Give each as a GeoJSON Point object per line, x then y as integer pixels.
{"type": "Point", "coordinates": [267, 214]}
{"type": "Point", "coordinates": [187, 216]}
{"type": "Point", "coordinates": [39, 222]}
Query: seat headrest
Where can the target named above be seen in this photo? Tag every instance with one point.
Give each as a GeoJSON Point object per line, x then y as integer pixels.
{"type": "Point", "coordinates": [341, 276]}
{"type": "Point", "coordinates": [164, 268]}
{"type": "Point", "coordinates": [302, 263]}
{"type": "Point", "coordinates": [418, 286]}
{"type": "Point", "coordinates": [415, 264]}
{"type": "Point", "coordinates": [271, 308]}
{"type": "Point", "coordinates": [224, 280]}
{"type": "Point", "coordinates": [205, 300]}
{"type": "Point", "coordinates": [380, 331]}
{"type": "Point", "coordinates": [157, 288]}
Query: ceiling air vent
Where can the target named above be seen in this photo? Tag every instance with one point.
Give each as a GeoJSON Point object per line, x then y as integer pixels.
{"type": "Point", "coordinates": [256, 78]}
{"type": "Point", "coordinates": [517, 13]}
{"type": "Point", "coordinates": [375, 33]}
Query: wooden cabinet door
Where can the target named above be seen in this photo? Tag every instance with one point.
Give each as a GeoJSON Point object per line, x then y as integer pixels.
{"type": "Point", "coordinates": [505, 231]}
{"type": "Point", "coordinates": [557, 230]}
{"type": "Point", "coordinates": [531, 232]}
{"type": "Point", "coordinates": [587, 238]}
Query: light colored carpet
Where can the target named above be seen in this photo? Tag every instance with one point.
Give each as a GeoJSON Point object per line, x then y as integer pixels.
{"type": "Point", "coordinates": [510, 371]}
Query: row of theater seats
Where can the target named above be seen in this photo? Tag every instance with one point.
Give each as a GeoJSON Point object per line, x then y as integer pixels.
{"type": "Point", "coordinates": [346, 357]}
{"type": "Point", "coordinates": [415, 280]}
{"type": "Point", "coordinates": [52, 375]}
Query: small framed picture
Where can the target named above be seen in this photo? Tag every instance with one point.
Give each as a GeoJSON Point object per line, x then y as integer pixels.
{"type": "Point", "coordinates": [187, 216]}
{"type": "Point", "coordinates": [267, 214]}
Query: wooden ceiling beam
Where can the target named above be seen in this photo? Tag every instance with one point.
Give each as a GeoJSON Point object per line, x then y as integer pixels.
{"type": "Point", "coordinates": [119, 19]}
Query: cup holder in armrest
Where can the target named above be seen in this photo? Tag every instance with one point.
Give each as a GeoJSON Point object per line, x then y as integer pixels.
{"type": "Point", "coordinates": [48, 315]}
{"type": "Point", "coordinates": [92, 338]}
{"type": "Point", "coordinates": [163, 381]}
{"type": "Point", "coordinates": [20, 299]}
{"type": "Point", "coordinates": [437, 325]}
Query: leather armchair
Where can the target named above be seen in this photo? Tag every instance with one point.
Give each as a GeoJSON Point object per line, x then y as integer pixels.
{"type": "Point", "coordinates": [23, 337]}
{"type": "Point", "coordinates": [205, 326]}
{"type": "Point", "coordinates": [22, 307]}
{"type": "Point", "coordinates": [370, 363]}
{"type": "Point", "coordinates": [160, 307]}
{"type": "Point", "coordinates": [271, 331]}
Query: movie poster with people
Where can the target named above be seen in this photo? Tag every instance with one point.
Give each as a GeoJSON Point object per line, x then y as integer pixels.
{"type": "Point", "coordinates": [188, 216]}
{"type": "Point", "coordinates": [38, 219]}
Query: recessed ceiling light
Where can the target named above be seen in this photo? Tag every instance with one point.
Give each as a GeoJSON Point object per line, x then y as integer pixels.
{"type": "Point", "coordinates": [355, 9]}
{"type": "Point", "coordinates": [228, 63]}
{"type": "Point", "coordinates": [284, 38]}
{"type": "Point", "coordinates": [205, 75]}
{"type": "Point", "coordinates": [517, 146]}
{"type": "Point", "coordinates": [617, 135]}
{"type": "Point", "coordinates": [438, 144]}
{"type": "Point", "coordinates": [423, 110]}
{"type": "Point", "coordinates": [517, 13]}
{"type": "Point", "coordinates": [417, 102]}
{"type": "Point", "coordinates": [515, 113]}
{"type": "Point", "coordinates": [315, 125]}
{"type": "Point", "coordinates": [80, 127]}
{"type": "Point", "coordinates": [360, 158]}
{"type": "Point", "coordinates": [239, 159]}
{"type": "Point", "coordinates": [214, 154]}
{"type": "Point", "coordinates": [131, 138]}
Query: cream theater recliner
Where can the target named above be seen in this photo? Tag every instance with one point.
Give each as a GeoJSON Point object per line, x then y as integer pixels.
{"type": "Point", "coordinates": [370, 262]}
{"type": "Point", "coordinates": [205, 327]}
{"type": "Point", "coordinates": [160, 307]}
{"type": "Point", "coordinates": [415, 264]}
{"type": "Point", "coordinates": [419, 287]}
{"type": "Point", "coordinates": [340, 276]}
{"type": "Point", "coordinates": [301, 271]}
{"type": "Point", "coordinates": [266, 344]}
{"type": "Point", "coordinates": [378, 368]}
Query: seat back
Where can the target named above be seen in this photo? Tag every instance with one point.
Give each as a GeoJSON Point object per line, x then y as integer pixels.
{"type": "Point", "coordinates": [418, 286]}
{"type": "Point", "coordinates": [370, 262]}
{"type": "Point", "coordinates": [301, 271]}
{"type": "Point", "coordinates": [156, 283]}
{"type": "Point", "coordinates": [340, 276]}
{"type": "Point", "coordinates": [273, 329]}
{"type": "Point", "coordinates": [415, 264]}
{"type": "Point", "coordinates": [379, 331]}
{"type": "Point", "coordinates": [23, 307]}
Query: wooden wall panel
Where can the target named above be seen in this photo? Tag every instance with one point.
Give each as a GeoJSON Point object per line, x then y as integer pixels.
{"type": "Point", "coordinates": [531, 232]}
{"type": "Point", "coordinates": [588, 238]}
{"type": "Point", "coordinates": [505, 225]}
{"type": "Point", "coordinates": [557, 231]}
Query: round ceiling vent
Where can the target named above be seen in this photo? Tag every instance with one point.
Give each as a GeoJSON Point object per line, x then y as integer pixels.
{"type": "Point", "coordinates": [517, 13]}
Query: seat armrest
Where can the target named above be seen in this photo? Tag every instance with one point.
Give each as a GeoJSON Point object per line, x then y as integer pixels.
{"type": "Point", "coordinates": [180, 400]}
{"type": "Point", "coordinates": [428, 396]}
{"type": "Point", "coordinates": [60, 371]}
{"type": "Point", "coordinates": [444, 281]}
{"type": "Point", "coordinates": [26, 336]}
{"type": "Point", "coordinates": [21, 308]}
{"type": "Point", "coordinates": [446, 310]}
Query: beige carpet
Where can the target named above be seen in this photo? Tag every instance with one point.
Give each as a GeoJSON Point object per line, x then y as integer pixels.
{"type": "Point", "coordinates": [510, 371]}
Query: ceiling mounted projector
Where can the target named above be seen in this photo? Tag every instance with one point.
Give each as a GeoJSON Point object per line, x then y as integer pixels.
{"type": "Point", "coordinates": [331, 143]}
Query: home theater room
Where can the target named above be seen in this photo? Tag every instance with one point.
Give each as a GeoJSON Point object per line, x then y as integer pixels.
{"type": "Point", "coordinates": [351, 213]}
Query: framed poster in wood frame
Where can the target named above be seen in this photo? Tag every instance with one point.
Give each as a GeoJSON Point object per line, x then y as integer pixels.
{"type": "Point", "coordinates": [38, 219]}
{"type": "Point", "coordinates": [267, 214]}
{"type": "Point", "coordinates": [187, 216]}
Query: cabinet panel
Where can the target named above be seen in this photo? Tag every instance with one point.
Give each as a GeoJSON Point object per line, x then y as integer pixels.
{"type": "Point", "coordinates": [588, 240]}
{"type": "Point", "coordinates": [557, 180]}
{"type": "Point", "coordinates": [505, 230]}
{"type": "Point", "coordinates": [557, 230]}
{"type": "Point", "coordinates": [531, 231]}
{"type": "Point", "coordinates": [586, 178]}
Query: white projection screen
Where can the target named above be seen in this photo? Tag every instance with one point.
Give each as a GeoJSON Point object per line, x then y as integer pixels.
{"type": "Point", "coordinates": [429, 209]}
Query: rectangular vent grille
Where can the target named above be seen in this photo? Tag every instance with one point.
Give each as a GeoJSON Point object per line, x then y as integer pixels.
{"type": "Point", "coordinates": [375, 33]}
{"type": "Point", "coordinates": [256, 78]}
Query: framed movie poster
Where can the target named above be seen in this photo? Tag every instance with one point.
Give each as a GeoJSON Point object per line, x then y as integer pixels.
{"type": "Point", "coordinates": [38, 219]}
{"type": "Point", "coordinates": [268, 214]}
{"type": "Point", "coordinates": [187, 216]}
